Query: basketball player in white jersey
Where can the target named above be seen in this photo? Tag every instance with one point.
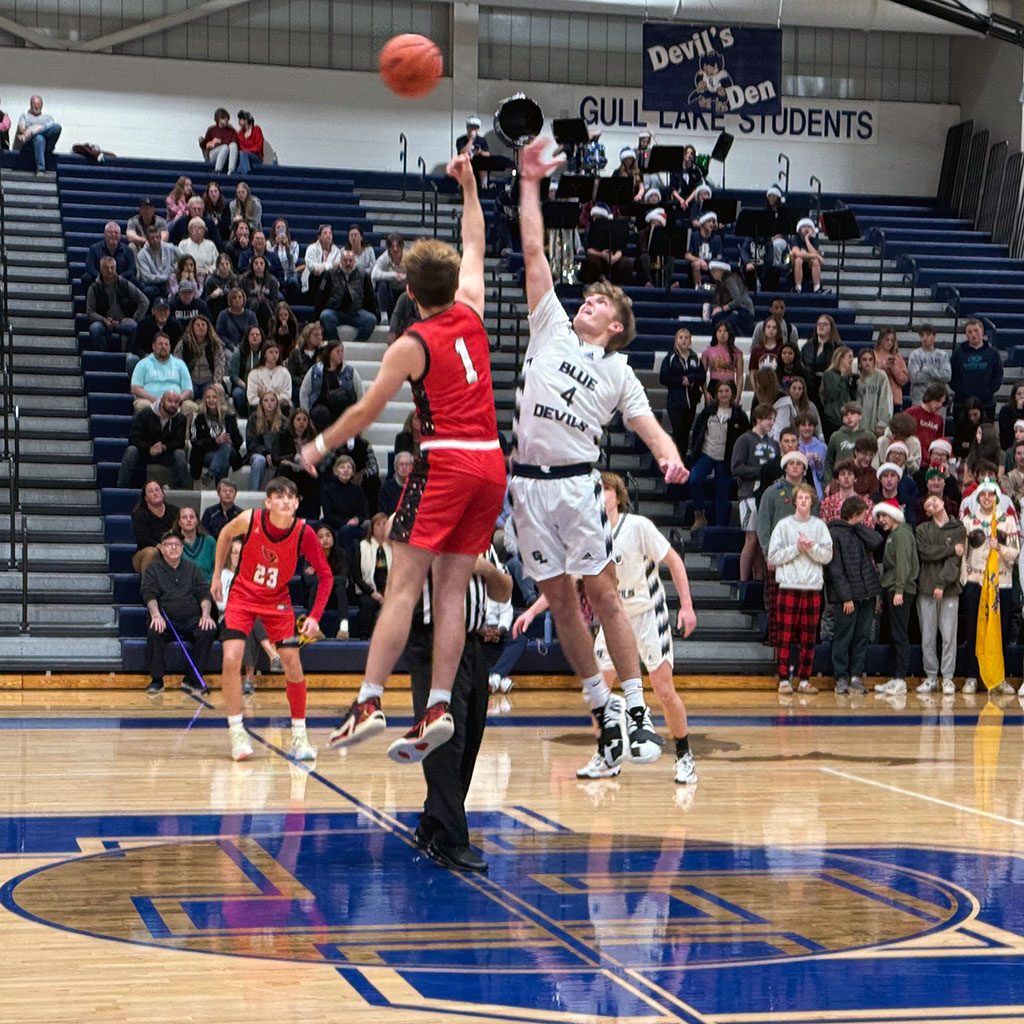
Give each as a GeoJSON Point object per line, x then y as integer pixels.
{"type": "Point", "coordinates": [637, 549]}
{"type": "Point", "coordinates": [573, 382]}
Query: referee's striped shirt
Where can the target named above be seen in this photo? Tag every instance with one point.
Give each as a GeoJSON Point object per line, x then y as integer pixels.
{"type": "Point", "coordinates": [476, 597]}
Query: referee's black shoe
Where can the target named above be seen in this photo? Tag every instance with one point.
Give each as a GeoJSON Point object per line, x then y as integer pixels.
{"type": "Point", "coordinates": [461, 857]}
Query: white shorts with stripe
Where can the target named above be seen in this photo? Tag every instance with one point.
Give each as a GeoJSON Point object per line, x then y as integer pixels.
{"type": "Point", "coordinates": [561, 525]}
{"type": "Point", "coordinates": [653, 639]}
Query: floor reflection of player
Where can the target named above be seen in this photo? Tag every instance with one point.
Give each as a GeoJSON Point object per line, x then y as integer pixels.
{"type": "Point", "coordinates": [451, 501]}
{"type": "Point", "coordinates": [273, 541]}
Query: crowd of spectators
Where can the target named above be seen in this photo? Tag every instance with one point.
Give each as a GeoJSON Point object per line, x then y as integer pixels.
{"type": "Point", "coordinates": [227, 379]}
{"type": "Point", "coordinates": [859, 506]}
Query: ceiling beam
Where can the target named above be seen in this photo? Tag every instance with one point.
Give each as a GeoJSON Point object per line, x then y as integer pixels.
{"type": "Point", "coordinates": [30, 35]}
{"type": "Point", "coordinates": [956, 13]}
{"type": "Point", "coordinates": [149, 28]}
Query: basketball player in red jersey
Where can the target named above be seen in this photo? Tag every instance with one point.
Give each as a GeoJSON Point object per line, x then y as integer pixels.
{"type": "Point", "coordinates": [272, 542]}
{"type": "Point", "coordinates": [447, 512]}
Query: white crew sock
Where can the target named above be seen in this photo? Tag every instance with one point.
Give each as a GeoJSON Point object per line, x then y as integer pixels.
{"type": "Point", "coordinates": [235, 722]}
{"type": "Point", "coordinates": [595, 691]}
{"type": "Point", "coordinates": [437, 696]}
{"type": "Point", "coordinates": [368, 690]}
{"type": "Point", "coordinates": [633, 691]}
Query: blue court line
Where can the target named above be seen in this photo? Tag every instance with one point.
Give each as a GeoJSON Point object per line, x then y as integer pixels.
{"type": "Point", "coordinates": [718, 721]}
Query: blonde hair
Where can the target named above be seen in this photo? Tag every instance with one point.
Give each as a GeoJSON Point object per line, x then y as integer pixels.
{"type": "Point", "coordinates": [623, 310]}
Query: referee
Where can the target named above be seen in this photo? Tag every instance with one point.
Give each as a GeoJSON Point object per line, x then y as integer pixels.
{"type": "Point", "coordinates": [442, 831]}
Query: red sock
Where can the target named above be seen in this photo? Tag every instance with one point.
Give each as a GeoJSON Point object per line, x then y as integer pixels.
{"type": "Point", "coordinates": [296, 693]}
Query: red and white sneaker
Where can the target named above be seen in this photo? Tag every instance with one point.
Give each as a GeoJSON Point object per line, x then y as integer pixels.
{"type": "Point", "coordinates": [435, 727]}
{"type": "Point", "coordinates": [362, 720]}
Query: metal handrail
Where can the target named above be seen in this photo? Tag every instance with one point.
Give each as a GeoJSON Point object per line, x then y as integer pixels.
{"type": "Point", "coordinates": [436, 201]}
{"type": "Point", "coordinates": [953, 301]}
{"type": "Point", "coordinates": [814, 178]}
{"type": "Point", "coordinates": [879, 234]}
{"type": "Point", "coordinates": [404, 157]}
{"type": "Point", "coordinates": [24, 573]}
{"type": "Point", "coordinates": [784, 174]}
{"type": "Point", "coordinates": [633, 489]}
{"type": "Point", "coordinates": [908, 267]}
{"type": "Point", "coordinates": [422, 165]}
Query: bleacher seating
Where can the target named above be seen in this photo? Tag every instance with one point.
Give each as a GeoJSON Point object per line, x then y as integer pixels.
{"type": "Point", "coordinates": [937, 250]}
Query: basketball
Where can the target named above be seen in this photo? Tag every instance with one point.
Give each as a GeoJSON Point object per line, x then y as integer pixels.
{"type": "Point", "coordinates": [410, 65]}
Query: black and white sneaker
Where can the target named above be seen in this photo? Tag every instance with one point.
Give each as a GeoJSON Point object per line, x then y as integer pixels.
{"type": "Point", "coordinates": [156, 686]}
{"type": "Point", "coordinates": [614, 740]}
{"type": "Point", "coordinates": [645, 744]}
{"type": "Point", "coordinates": [597, 768]}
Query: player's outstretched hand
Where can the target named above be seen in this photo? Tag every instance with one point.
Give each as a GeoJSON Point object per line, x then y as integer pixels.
{"type": "Point", "coordinates": [686, 621]}
{"type": "Point", "coordinates": [310, 627]}
{"type": "Point", "coordinates": [461, 169]}
{"type": "Point", "coordinates": [674, 472]}
{"type": "Point", "coordinates": [310, 458]}
{"type": "Point", "coordinates": [532, 165]}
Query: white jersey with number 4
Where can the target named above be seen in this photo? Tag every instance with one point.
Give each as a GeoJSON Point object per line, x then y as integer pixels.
{"type": "Point", "coordinates": [637, 548]}
{"type": "Point", "coordinates": [568, 392]}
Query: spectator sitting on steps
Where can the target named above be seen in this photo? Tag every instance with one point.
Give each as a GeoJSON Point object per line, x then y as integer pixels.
{"type": "Point", "coordinates": [37, 136]}
{"type": "Point", "coordinates": [136, 228]}
{"type": "Point", "coordinates": [152, 517]}
{"type": "Point", "coordinates": [157, 437]}
{"type": "Point", "coordinates": [216, 517]}
{"type": "Point", "coordinates": [111, 245]}
{"type": "Point", "coordinates": [155, 263]}
{"type": "Point", "coordinates": [187, 305]}
{"type": "Point", "coordinates": [391, 489]}
{"type": "Point", "coordinates": [351, 300]}
{"type": "Point", "coordinates": [114, 306]}
{"type": "Point", "coordinates": [158, 373]}
{"type": "Point", "coordinates": [177, 588]}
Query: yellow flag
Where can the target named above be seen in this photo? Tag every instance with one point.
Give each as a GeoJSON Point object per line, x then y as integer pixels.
{"type": "Point", "coordinates": [988, 644]}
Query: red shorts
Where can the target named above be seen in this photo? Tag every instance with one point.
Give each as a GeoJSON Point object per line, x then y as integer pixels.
{"type": "Point", "coordinates": [452, 501]}
{"type": "Point", "coordinates": [239, 616]}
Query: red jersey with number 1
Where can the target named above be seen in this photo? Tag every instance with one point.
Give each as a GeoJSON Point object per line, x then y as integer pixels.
{"type": "Point", "coordinates": [454, 397]}
{"type": "Point", "coordinates": [268, 562]}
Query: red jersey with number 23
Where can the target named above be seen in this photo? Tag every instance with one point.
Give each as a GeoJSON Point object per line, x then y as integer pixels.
{"type": "Point", "coordinates": [267, 565]}
{"type": "Point", "coordinates": [454, 397]}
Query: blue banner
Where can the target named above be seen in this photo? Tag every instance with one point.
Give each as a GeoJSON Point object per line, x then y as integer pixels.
{"type": "Point", "coordinates": [712, 68]}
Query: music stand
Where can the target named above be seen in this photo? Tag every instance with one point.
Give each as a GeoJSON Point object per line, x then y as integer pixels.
{"type": "Point", "coordinates": [666, 158]}
{"type": "Point", "coordinates": [489, 163]}
{"type": "Point", "coordinates": [561, 214]}
{"type": "Point", "coordinates": [722, 146]}
{"type": "Point", "coordinates": [576, 186]}
{"type": "Point", "coordinates": [615, 233]}
{"type": "Point", "coordinates": [841, 226]}
{"type": "Point", "coordinates": [725, 210]}
{"type": "Point", "coordinates": [752, 223]}
{"type": "Point", "coordinates": [617, 190]}
{"type": "Point", "coordinates": [572, 130]}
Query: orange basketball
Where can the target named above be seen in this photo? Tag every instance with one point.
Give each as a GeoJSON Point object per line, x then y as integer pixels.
{"type": "Point", "coordinates": [410, 65]}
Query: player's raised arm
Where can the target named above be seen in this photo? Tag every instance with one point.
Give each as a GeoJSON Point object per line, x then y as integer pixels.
{"type": "Point", "coordinates": [403, 360]}
{"type": "Point", "coordinates": [474, 237]}
{"type": "Point", "coordinates": [532, 168]}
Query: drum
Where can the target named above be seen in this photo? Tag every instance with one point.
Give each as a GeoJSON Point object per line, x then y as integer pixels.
{"type": "Point", "coordinates": [517, 120]}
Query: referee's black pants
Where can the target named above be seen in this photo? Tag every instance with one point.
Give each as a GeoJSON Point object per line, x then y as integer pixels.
{"type": "Point", "coordinates": [449, 769]}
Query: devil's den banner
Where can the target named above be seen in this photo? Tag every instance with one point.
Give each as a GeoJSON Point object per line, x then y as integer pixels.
{"type": "Point", "coordinates": [719, 69]}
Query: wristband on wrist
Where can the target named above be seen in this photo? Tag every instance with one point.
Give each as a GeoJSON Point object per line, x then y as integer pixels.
{"type": "Point", "coordinates": [319, 444]}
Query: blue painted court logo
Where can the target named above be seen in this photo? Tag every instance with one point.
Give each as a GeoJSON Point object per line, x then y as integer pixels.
{"type": "Point", "coordinates": [593, 925]}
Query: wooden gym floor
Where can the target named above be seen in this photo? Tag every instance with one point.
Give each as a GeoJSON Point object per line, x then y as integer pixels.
{"type": "Point", "coordinates": [840, 860]}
